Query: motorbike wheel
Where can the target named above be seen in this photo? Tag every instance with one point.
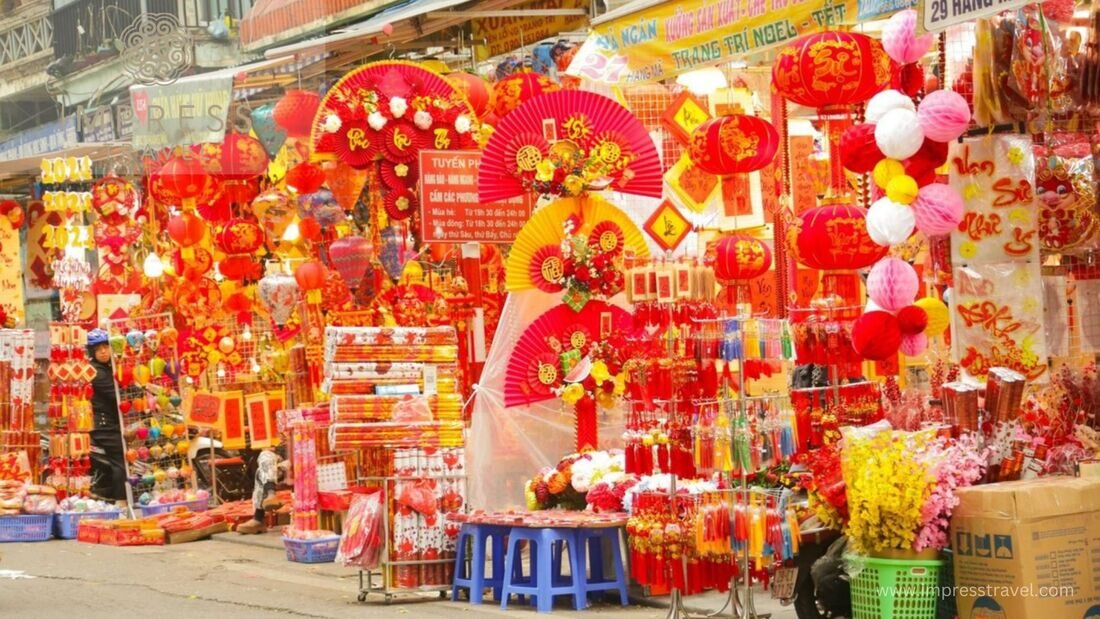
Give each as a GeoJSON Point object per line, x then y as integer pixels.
{"type": "Point", "coordinates": [232, 482]}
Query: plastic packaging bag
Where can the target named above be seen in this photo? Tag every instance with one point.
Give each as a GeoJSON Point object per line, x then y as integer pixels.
{"type": "Point", "coordinates": [419, 495]}
{"type": "Point", "coordinates": [40, 504]}
{"type": "Point", "coordinates": [361, 541]}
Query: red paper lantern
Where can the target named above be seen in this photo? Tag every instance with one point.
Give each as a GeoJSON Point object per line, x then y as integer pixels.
{"type": "Point", "coordinates": [240, 236]}
{"type": "Point", "coordinates": [739, 258]}
{"type": "Point", "coordinates": [831, 69]}
{"type": "Point", "coordinates": [834, 238]}
{"type": "Point", "coordinates": [305, 178]}
{"type": "Point", "coordinates": [310, 276]}
{"type": "Point", "coordinates": [858, 150]}
{"type": "Point", "coordinates": [475, 89]}
{"type": "Point", "coordinates": [912, 320]}
{"type": "Point", "coordinates": [186, 229]}
{"type": "Point", "coordinates": [733, 144]}
{"type": "Point", "coordinates": [239, 267]}
{"type": "Point", "coordinates": [350, 257]}
{"type": "Point", "coordinates": [518, 87]}
{"type": "Point", "coordinates": [182, 182]}
{"type": "Point", "coordinates": [239, 157]}
{"type": "Point", "coordinates": [295, 112]}
{"type": "Point", "coordinates": [876, 335]}
{"type": "Point", "coordinates": [309, 229]}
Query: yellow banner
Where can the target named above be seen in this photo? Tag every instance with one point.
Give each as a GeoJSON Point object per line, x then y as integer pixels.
{"type": "Point", "coordinates": [11, 272]}
{"type": "Point", "coordinates": [500, 35]}
{"type": "Point", "coordinates": [662, 41]}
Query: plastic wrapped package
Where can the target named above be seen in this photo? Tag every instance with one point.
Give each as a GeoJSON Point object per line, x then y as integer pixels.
{"type": "Point", "coordinates": [361, 542]}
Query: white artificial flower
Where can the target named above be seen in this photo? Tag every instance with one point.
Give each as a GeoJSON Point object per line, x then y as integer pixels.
{"type": "Point", "coordinates": [422, 120]}
{"type": "Point", "coordinates": [376, 121]}
{"type": "Point", "coordinates": [398, 106]}
{"type": "Point", "coordinates": [332, 123]}
{"type": "Point", "coordinates": [462, 124]}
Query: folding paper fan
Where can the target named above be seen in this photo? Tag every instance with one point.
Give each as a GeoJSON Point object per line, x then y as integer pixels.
{"type": "Point", "coordinates": [612, 140]}
{"type": "Point", "coordinates": [534, 369]}
{"type": "Point", "coordinates": [389, 78]}
{"type": "Point", "coordinates": [535, 260]}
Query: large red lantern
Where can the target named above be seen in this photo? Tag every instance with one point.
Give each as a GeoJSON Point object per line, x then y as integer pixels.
{"type": "Point", "coordinates": [734, 144]}
{"type": "Point", "coordinates": [237, 157]}
{"type": "Point", "coordinates": [831, 69]}
{"type": "Point", "coordinates": [475, 89]}
{"type": "Point", "coordinates": [187, 229]}
{"type": "Point", "coordinates": [295, 112]}
{"type": "Point", "coordinates": [305, 178]}
{"type": "Point", "coordinates": [240, 236]}
{"type": "Point", "coordinates": [834, 238]}
{"type": "Point", "coordinates": [738, 259]}
{"type": "Point", "coordinates": [518, 87]}
{"type": "Point", "coordinates": [350, 256]}
{"type": "Point", "coordinates": [182, 182]}
{"type": "Point", "coordinates": [310, 276]}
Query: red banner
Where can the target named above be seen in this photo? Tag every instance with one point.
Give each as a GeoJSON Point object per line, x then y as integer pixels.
{"type": "Point", "coordinates": [449, 208]}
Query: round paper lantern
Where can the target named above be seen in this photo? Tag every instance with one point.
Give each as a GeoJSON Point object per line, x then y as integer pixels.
{"type": "Point", "coordinates": [902, 189]}
{"type": "Point", "coordinates": [181, 182]}
{"type": "Point", "coordinates": [913, 344]}
{"type": "Point", "coordinates": [912, 319]}
{"type": "Point", "coordinates": [739, 258]}
{"type": "Point", "coordinates": [938, 315]}
{"type": "Point", "coordinates": [876, 336]}
{"type": "Point", "coordinates": [834, 238]}
{"type": "Point", "coordinates": [278, 292]}
{"type": "Point", "coordinates": [892, 284]}
{"type": "Point", "coordinates": [830, 69]}
{"type": "Point", "coordinates": [475, 89]}
{"type": "Point", "coordinates": [890, 223]}
{"type": "Point", "coordinates": [900, 40]}
{"type": "Point", "coordinates": [510, 92]}
{"type": "Point", "coordinates": [858, 150]}
{"type": "Point", "coordinates": [911, 80]}
{"type": "Point", "coordinates": [310, 276]}
{"type": "Point", "coordinates": [305, 178]}
{"type": "Point", "coordinates": [885, 171]}
{"type": "Point", "coordinates": [943, 115]}
{"type": "Point", "coordinates": [186, 229]}
{"type": "Point", "coordinates": [350, 258]}
{"type": "Point", "coordinates": [240, 236]}
{"type": "Point", "coordinates": [295, 111]}
{"type": "Point", "coordinates": [938, 209]}
{"type": "Point", "coordinates": [733, 144]}
{"type": "Point", "coordinates": [922, 166]}
{"type": "Point", "coordinates": [887, 101]}
{"type": "Point", "coordinates": [898, 134]}
{"type": "Point", "coordinates": [242, 157]}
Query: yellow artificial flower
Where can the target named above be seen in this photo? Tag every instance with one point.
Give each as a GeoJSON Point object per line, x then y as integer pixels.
{"type": "Point", "coordinates": [544, 171]}
{"type": "Point", "coordinates": [573, 184]}
{"type": "Point", "coordinates": [600, 373]}
{"type": "Point", "coordinates": [620, 383]}
{"type": "Point", "coordinates": [572, 393]}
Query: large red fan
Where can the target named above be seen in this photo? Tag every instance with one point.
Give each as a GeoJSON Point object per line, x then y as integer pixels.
{"type": "Point", "coordinates": [388, 78]}
{"type": "Point", "coordinates": [534, 369]}
{"type": "Point", "coordinates": [599, 126]}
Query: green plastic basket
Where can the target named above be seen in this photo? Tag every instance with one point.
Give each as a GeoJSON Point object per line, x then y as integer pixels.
{"type": "Point", "coordinates": [896, 589]}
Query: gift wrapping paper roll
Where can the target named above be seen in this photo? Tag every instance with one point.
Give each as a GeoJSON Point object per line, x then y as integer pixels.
{"type": "Point", "coordinates": [419, 353]}
{"type": "Point", "coordinates": [347, 436]}
{"type": "Point", "coordinates": [367, 408]}
{"type": "Point", "coordinates": [304, 463]}
{"type": "Point", "coordinates": [341, 336]}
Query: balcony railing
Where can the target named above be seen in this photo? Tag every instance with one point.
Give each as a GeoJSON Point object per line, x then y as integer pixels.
{"type": "Point", "coordinates": [25, 40]}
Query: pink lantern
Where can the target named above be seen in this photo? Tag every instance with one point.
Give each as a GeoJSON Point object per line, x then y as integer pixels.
{"type": "Point", "coordinates": [892, 284]}
{"type": "Point", "coordinates": [900, 40]}
{"type": "Point", "coordinates": [350, 257]}
{"type": "Point", "coordinates": [914, 344]}
{"type": "Point", "coordinates": [937, 209]}
{"type": "Point", "coordinates": [943, 115]}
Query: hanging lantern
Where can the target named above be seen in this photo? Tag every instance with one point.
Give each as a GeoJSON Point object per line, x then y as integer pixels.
{"type": "Point", "coordinates": [475, 89]}
{"type": "Point", "coordinates": [305, 178]}
{"type": "Point", "coordinates": [518, 87]}
{"type": "Point", "coordinates": [310, 276]}
{"type": "Point", "coordinates": [239, 267]}
{"type": "Point", "coordinates": [734, 144]}
{"type": "Point", "coordinates": [834, 238]}
{"type": "Point", "coordinates": [263, 125]}
{"type": "Point", "coordinates": [279, 294]}
{"type": "Point", "coordinates": [240, 236]}
{"type": "Point", "coordinates": [346, 183]}
{"type": "Point", "coordinates": [295, 111]}
{"type": "Point", "coordinates": [322, 206]}
{"type": "Point", "coordinates": [242, 157]}
{"type": "Point", "coordinates": [350, 257]}
{"type": "Point", "coordinates": [187, 230]}
{"type": "Point", "coordinates": [831, 69]}
{"type": "Point", "coordinates": [114, 199]}
{"type": "Point", "coordinates": [182, 182]}
{"type": "Point", "coordinates": [738, 259]}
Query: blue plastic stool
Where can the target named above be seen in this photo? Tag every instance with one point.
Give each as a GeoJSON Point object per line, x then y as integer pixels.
{"type": "Point", "coordinates": [590, 542]}
{"type": "Point", "coordinates": [475, 579]}
{"type": "Point", "coordinates": [545, 579]}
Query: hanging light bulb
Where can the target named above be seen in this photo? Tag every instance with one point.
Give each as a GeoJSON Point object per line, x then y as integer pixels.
{"type": "Point", "coordinates": [153, 265]}
{"type": "Point", "coordinates": [246, 334]}
{"type": "Point", "coordinates": [292, 233]}
{"type": "Point", "coordinates": [255, 367]}
{"type": "Point", "coordinates": [221, 370]}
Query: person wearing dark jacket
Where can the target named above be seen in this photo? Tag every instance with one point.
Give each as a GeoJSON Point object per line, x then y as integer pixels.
{"type": "Point", "coordinates": [108, 452]}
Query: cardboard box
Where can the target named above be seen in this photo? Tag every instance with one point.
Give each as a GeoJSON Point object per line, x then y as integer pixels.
{"type": "Point", "coordinates": [1028, 549]}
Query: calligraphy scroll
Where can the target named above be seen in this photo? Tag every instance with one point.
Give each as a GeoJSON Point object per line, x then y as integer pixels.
{"type": "Point", "coordinates": [997, 319]}
{"type": "Point", "coordinates": [994, 175]}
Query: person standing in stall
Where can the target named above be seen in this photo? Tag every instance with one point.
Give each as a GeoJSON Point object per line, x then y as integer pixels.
{"type": "Point", "coordinates": [107, 450]}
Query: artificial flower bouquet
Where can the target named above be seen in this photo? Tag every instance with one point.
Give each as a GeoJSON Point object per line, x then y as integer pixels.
{"type": "Point", "coordinates": [594, 480]}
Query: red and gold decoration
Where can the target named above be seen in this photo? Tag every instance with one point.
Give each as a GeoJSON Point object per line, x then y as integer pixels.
{"type": "Point", "coordinates": [518, 88]}
{"type": "Point", "coordinates": [734, 144]}
{"type": "Point", "coordinates": [183, 182]}
{"type": "Point", "coordinates": [834, 239]}
{"type": "Point", "coordinates": [739, 259]}
{"type": "Point", "coordinates": [831, 70]}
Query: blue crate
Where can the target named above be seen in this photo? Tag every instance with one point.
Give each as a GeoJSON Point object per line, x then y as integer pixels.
{"type": "Point", "coordinates": [26, 528]}
{"type": "Point", "coordinates": [65, 524]}
{"type": "Point", "coordinates": [320, 550]}
{"type": "Point", "coordinates": [198, 505]}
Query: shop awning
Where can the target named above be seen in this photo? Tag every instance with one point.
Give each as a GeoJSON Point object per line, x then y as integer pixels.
{"type": "Point", "coordinates": [30, 166]}
{"type": "Point", "coordinates": [273, 21]}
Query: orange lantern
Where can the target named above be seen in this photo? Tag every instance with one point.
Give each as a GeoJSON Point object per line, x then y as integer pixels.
{"type": "Point", "coordinates": [475, 89]}
{"type": "Point", "coordinates": [305, 178]}
{"type": "Point", "coordinates": [518, 87]}
{"type": "Point", "coordinates": [240, 236]}
{"type": "Point", "coordinates": [295, 112]}
{"type": "Point", "coordinates": [310, 276]}
{"type": "Point", "coordinates": [833, 238]}
{"type": "Point", "coordinates": [345, 182]}
{"type": "Point", "coordinates": [734, 144]}
{"type": "Point", "coordinates": [738, 259]}
{"type": "Point", "coordinates": [182, 182]}
{"type": "Point", "coordinates": [831, 69]}
{"type": "Point", "coordinates": [187, 229]}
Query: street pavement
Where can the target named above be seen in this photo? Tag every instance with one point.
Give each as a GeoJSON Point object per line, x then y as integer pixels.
{"type": "Point", "coordinates": [231, 577]}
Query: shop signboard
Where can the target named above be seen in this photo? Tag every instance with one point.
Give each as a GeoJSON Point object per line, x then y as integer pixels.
{"type": "Point", "coordinates": [181, 113]}
{"type": "Point", "coordinates": [48, 138]}
{"type": "Point", "coordinates": [667, 39]}
{"type": "Point", "coordinates": [494, 36]}
{"type": "Point", "coordinates": [124, 120]}
{"type": "Point", "coordinates": [98, 124]}
{"type": "Point", "coordinates": [874, 9]}
{"type": "Point", "coordinates": [450, 210]}
{"type": "Point", "coordinates": [939, 14]}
